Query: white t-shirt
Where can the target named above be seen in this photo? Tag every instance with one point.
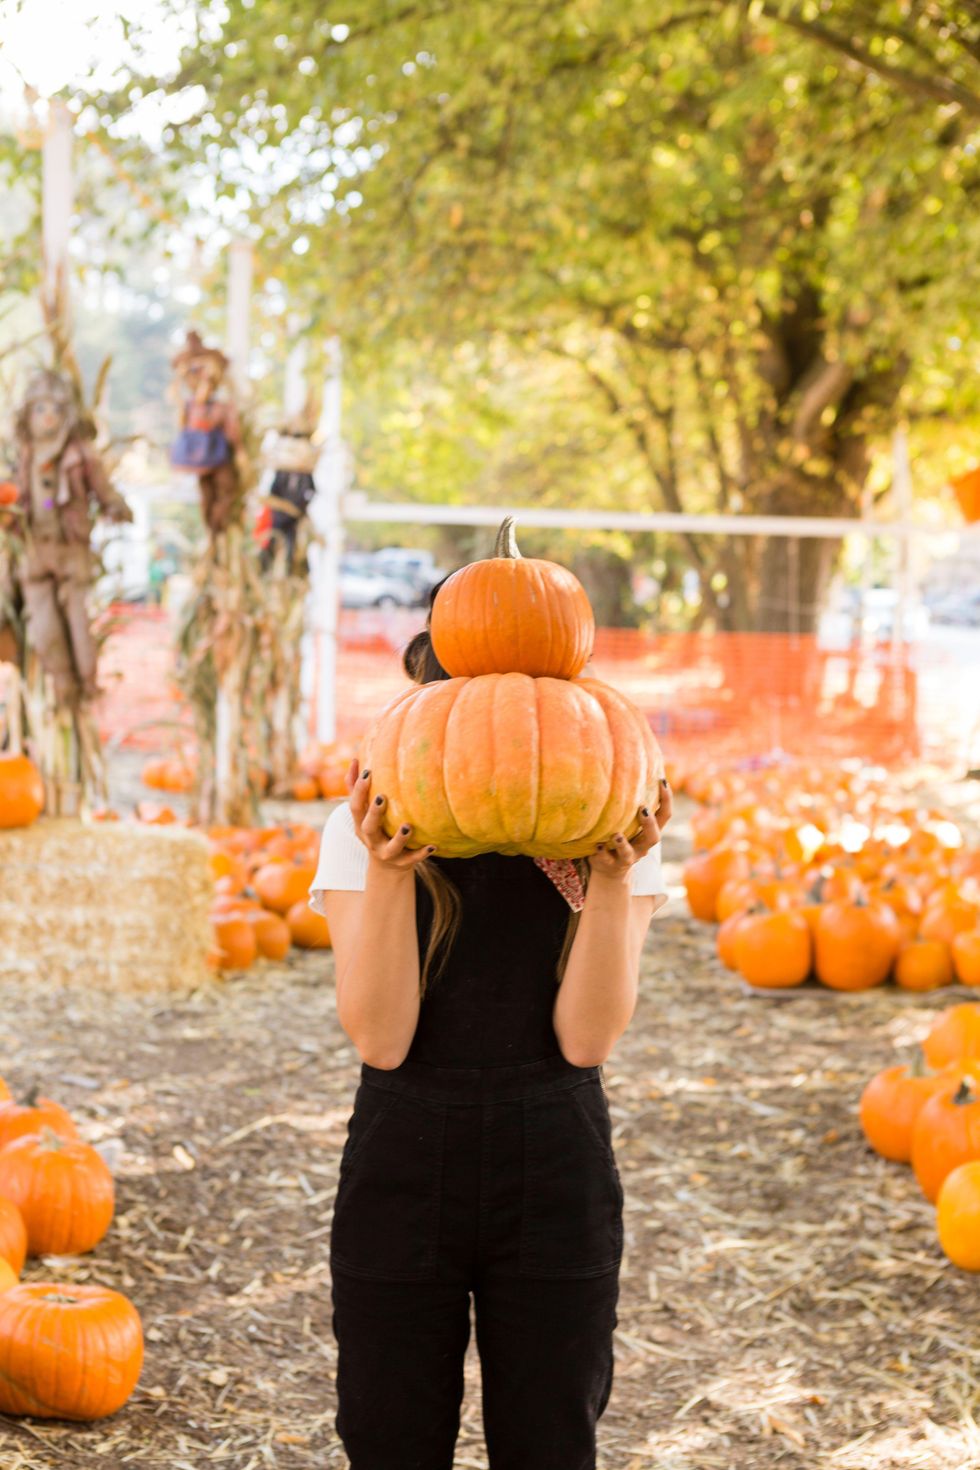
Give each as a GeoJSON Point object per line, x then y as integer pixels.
{"type": "Point", "coordinates": [344, 859]}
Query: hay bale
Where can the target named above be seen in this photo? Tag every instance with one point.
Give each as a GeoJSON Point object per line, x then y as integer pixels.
{"type": "Point", "coordinates": [113, 906]}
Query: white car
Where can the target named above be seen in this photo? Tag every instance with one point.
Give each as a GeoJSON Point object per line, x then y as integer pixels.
{"type": "Point", "coordinates": [367, 589]}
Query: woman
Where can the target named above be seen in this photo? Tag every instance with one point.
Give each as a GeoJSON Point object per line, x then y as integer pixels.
{"type": "Point", "coordinates": [483, 995]}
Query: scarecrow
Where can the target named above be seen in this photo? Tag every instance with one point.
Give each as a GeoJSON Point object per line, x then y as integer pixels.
{"type": "Point", "coordinates": [210, 439]}
{"type": "Point", "coordinates": [293, 456]}
{"type": "Point", "coordinates": [60, 480]}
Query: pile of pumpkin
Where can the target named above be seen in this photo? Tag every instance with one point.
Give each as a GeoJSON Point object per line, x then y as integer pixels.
{"type": "Point", "coordinates": [66, 1351]}
{"type": "Point", "coordinates": [262, 881]}
{"type": "Point", "coordinates": [929, 1116]}
{"type": "Point", "coordinates": [321, 773]}
{"type": "Point", "coordinates": [835, 873]}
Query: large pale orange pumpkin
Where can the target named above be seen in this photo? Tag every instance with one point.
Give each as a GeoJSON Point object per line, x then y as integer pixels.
{"type": "Point", "coordinates": [512, 614]}
{"type": "Point", "coordinates": [21, 791]}
{"type": "Point", "coordinates": [506, 763]}
{"type": "Point", "coordinates": [67, 1351]}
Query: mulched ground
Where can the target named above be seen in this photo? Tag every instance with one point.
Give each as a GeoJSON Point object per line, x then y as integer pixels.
{"type": "Point", "coordinates": [784, 1301]}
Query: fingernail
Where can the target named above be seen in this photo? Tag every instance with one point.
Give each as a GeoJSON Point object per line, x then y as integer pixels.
{"type": "Point", "coordinates": [405, 831]}
{"type": "Point", "coordinates": [645, 811]}
{"type": "Point", "coordinates": [378, 800]}
{"type": "Point", "coordinates": [432, 848]}
{"type": "Point", "coordinates": [665, 782]}
{"type": "Point", "coordinates": [364, 775]}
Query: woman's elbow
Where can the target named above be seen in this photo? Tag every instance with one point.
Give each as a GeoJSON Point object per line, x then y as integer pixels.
{"type": "Point", "coordinates": [385, 1061]}
{"type": "Point", "coordinates": [585, 1056]}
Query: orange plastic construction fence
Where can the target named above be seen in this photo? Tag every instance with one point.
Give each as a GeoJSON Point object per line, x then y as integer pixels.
{"type": "Point", "coordinates": [717, 694]}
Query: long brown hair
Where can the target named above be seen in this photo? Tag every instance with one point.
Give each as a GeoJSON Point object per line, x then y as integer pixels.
{"type": "Point", "coordinates": [422, 667]}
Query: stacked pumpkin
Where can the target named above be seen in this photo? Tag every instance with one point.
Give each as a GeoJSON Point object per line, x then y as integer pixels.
{"type": "Point", "coordinates": [516, 752]}
{"type": "Point", "coordinates": [836, 874]}
{"type": "Point", "coordinates": [66, 1351]}
{"type": "Point", "coordinates": [929, 1116]}
{"type": "Point", "coordinates": [262, 881]}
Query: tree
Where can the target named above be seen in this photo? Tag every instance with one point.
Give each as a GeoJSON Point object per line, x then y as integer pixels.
{"type": "Point", "coordinates": [750, 249]}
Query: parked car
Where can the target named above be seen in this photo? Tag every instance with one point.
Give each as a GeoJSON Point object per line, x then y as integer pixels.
{"type": "Point", "coordinates": [958, 608]}
{"type": "Point", "coordinates": [368, 589]}
{"type": "Point", "coordinates": [418, 569]}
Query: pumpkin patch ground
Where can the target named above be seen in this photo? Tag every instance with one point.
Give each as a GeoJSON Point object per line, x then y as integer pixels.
{"type": "Point", "coordinates": [785, 1304]}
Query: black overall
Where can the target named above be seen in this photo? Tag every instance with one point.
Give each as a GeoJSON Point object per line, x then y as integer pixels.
{"type": "Point", "coordinates": [483, 1164]}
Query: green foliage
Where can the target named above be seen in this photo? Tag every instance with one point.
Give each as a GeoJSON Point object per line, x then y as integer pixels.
{"type": "Point", "coordinates": [723, 246]}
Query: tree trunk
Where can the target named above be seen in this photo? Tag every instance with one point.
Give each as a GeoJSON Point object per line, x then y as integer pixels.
{"type": "Point", "coordinates": [794, 574]}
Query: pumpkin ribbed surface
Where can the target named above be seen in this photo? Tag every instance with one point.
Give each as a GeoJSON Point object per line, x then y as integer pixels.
{"type": "Point", "coordinates": [510, 764]}
{"type": "Point", "coordinates": [63, 1189]}
{"type": "Point", "coordinates": [512, 614]}
{"type": "Point", "coordinates": [67, 1352]}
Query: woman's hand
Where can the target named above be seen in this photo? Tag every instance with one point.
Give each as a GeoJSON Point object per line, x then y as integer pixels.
{"type": "Point", "coordinates": [614, 858]}
{"type": "Point", "coordinates": [391, 852]}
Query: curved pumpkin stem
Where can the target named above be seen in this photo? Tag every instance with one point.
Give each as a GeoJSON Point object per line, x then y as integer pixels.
{"type": "Point", "coordinates": [506, 544]}
{"type": "Point", "coordinates": [964, 1093]}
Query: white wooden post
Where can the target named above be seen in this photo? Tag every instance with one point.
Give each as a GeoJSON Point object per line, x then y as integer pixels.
{"type": "Point", "coordinates": [294, 388]}
{"type": "Point", "coordinates": [239, 308]}
{"type": "Point", "coordinates": [902, 482]}
{"type": "Point", "coordinates": [326, 513]}
{"type": "Point", "coordinates": [57, 202]}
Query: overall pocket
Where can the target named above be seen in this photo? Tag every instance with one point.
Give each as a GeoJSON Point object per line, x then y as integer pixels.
{"type": "Point", "coordinates": [572, 1216]}
{"type": "Point", "coordinates": [386, 1213]}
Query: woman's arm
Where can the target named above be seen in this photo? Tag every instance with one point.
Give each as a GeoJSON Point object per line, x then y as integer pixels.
{"type": "Point", "coordinates": [375, 941]}
{"type": "Point", "coordinates": [597, 996]}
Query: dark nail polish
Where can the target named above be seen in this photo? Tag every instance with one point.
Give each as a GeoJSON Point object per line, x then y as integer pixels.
{"type": "Point", "coordinates": [646, 811]}
{"type": "Point", "coordinates": [364, 775]}
{"type": "Point", "coordinates": [405, 831]}
{"type": "Point", "coordinates": [665, 782]}
{"type": "Point", "coordinates": [430, 849]}
{"type": "Point", "coordinates": [378, 800]}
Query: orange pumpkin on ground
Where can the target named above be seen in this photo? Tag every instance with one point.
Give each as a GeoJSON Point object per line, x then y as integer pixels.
{"type": "Point", "coordinates": [305, 788]}
{"type": "Point", "coordinates": [725, 940]}
{"type": "Point", "coordinates": [8, 1276]}
{"type": "Point", "coordinates": [512, 614]}
{"type": "Point", "coordinates": [309, 930]}
{"type": "Point", "coordinates": [855, 944]}
{"type": "Point", "coordinates": [954, 1036]}
{"type": "Point", "coordinates": [281, 885]}
{"type": "Point", "coordinates": [31, 1115]}
{"type": "Point", "coordinates": [946, 1133]}
{"type": "Point", "coordinates": [889, 1106]}
{"type": "Point", "coordinates": [13, 1235]}
{"type": "Point", "coordinates": [272, 935]}
{"type": "Point", "coordinates": [705, 875]}
{"type": "Point", "coordinates": [924, 964]}
{"type": "Point", "coordinates": [958, 1216]}
{"type": "Point", "coordinates": [21, 791]}
{"type": "Point", "coordinates": [236, 942]}
{"type": "Point", "coordinates": [773, 951]}
{"type": "Point", "coordinates": [67, 1352]}
{"type": "Point", "coordinates": [966, 957]}
{"type": "Point", "coordinates": [63, 1189]}
{"type": "Point", "coordinates": [506, 763]}
{"type": "Point", "coordinates": [946, 919]}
